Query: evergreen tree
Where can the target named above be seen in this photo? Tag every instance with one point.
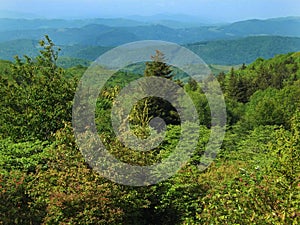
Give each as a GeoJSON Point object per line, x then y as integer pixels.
{"type": "Point", "coordinates": [192, 84]}
{"type": "Point", "coordinates": [157, 67]}
{"type": "Point", "coordinates": [243, 66]}
{"type": "Point", "coordinates": [156, 107]}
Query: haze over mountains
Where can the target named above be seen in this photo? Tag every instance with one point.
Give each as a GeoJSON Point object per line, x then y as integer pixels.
{"type": "Point", "coordinates": [87, 38]}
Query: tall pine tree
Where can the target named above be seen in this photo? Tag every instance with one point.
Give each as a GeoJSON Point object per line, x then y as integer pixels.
{"type": "Point", "coordinates": [156, 107]}
{"type": "Point", "coordinates": [157, 67]}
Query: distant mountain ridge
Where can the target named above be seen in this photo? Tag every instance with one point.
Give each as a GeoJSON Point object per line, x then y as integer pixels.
{"type": "Point", "coordinates": [9, 24]}
{"type": "Point", "coordinates": [17, 15]}
{"type": "Point", "coordinates": [288, 26]}
{"type": "Point", "coordinates": [85, 39]}
{"type": "Point", "coordinates": [113, 32]}
{"type": "Point", "coordinates": [244, 50]}
{"type": "Point", "coordinates": [221, 52]}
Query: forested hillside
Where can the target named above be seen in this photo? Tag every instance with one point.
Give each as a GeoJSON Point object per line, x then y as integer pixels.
{"type": "Point", "coordinates": [255, 178]}
{"type": "Point", "coordinates": [112, 32]}
{"type": "Point", "coordinates": [83, 40]}
{"type": "Point", "coordinates": [244, 50]}
{"type": "Point", "coordinates": [223, 52]}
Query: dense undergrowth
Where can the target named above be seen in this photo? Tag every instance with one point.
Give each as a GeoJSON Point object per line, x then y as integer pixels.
{"type": "Point", "coordinates": [255, 179]}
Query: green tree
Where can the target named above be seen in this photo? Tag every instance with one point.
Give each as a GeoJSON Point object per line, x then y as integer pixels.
{"type": "Point", "coordinates": [238, 87]}
{"type": "Point", "coordinates": [35, 97]}
{"type": "Point", "coordinates": [157, 67]}
{"type": "Point", "coordinates": [156, 107]}
{"type": "Point", "coordinates": [192, 84]}
{"type": "Point", "coordinates": [272, 106]}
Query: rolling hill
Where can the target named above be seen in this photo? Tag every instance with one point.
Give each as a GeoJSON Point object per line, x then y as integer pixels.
{"type": "Point", "coordinates": [289, 26]}
{"type": "Point", "coordinates": [112, 32]}
{"type": "Point", "coordinates": [244, 50]}
{"type": "Point", "coordinates": [221, 52]}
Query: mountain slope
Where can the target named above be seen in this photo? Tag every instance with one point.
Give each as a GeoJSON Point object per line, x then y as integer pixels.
{"type": "Point", "coordinates": [224, 52]}
{"type": "Point", "coordinates": [244, 50]}
{"type": "Point", "coordinates": [289, 26]}
{"type": "Point", "coordinates": [105, 32]}
{"type": "Point", "coordinates": [9, 24]}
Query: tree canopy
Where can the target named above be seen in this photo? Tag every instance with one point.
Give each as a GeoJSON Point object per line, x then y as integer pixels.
{"type": "Point", "coordinates": [255, 178]}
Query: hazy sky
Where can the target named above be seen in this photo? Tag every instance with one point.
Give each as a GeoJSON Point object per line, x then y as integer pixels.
{"type": "Point", "coordinates": [221, 10]}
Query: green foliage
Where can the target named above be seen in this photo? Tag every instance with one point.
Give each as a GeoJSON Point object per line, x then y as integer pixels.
{"type": "Point", "coordinates": [4, 66]}
{"type": "Point", "coordinates": [260, 75]}
{"type": "Point", "coordinates": [263, 109]}
{"type": "Point", "coordinates": [23, 156]}
{"type": "Point", "coordinates": [15, 201]}
{"type": "Point", "coordinates": [156, 107]}
{"type": "Point", "coordinates": [244, 198]}
{"type": "Point", "coordinates": [286, 152]}
{"type": "Point", "coordinates": [35, 96]}
{"type": "Point", "coordinates": [251, 181]}
{"type": "Point", "coordinates": [255, 178]}
{"type": "Point", "coordinates": [238, 88]}
{"type": "Point", "coordinates": [67, 62]}
{"type": "Point", "coordinates": [69, 192]}
{"type": "Point", "coordinates": [246, 50]}
{"type": "Point", "coordinates": [200, 102]}
{"type": "Point", "coordinates": [157, 67]}
{"type": "Point", "coordinates": [273, 106]}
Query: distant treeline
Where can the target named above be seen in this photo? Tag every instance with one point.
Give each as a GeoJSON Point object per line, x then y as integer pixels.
{"type": "Point", "coordinates": [223, 52]}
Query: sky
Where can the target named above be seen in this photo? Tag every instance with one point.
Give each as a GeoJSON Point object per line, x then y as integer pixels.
{"type": "Point", "coordinates": [216, 10]}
